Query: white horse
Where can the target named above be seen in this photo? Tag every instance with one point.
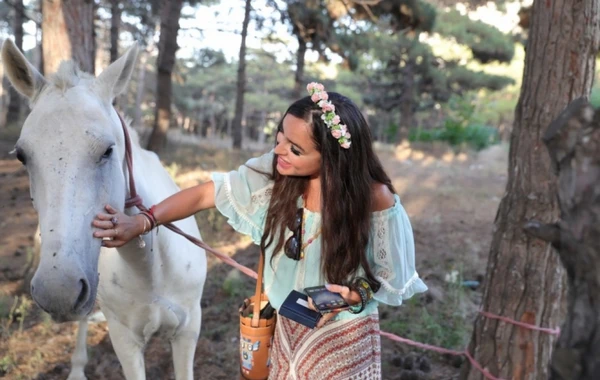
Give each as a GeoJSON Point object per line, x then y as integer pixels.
{"type": "Point", "coordinates": [72, 145]}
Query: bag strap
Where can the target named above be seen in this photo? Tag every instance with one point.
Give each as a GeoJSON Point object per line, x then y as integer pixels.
{"type": "Point", "coordinates": [258, 291]}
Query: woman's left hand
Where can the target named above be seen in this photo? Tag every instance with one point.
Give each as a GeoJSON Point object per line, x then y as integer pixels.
{"type": "Point", "coordinates": [350, 296]}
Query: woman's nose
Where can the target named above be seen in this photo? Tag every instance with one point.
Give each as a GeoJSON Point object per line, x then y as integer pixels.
{"type": "Point", "coordinates": [279, 149]}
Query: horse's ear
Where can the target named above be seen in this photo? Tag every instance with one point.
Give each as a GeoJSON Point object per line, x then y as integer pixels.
{"type": "Point", "coordinates": [23, 76]}
{"type": "Point", "coordinates": [114, 79]}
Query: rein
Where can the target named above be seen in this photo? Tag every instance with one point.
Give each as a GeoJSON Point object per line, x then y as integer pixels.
{"type": "Point", "coordinates": [135, 200]}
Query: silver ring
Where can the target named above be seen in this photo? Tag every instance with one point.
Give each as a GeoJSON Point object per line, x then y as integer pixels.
{"type": "Point", "coordinates": [116, 232]}
{"type": "Point", "coordinates": [114, 220]}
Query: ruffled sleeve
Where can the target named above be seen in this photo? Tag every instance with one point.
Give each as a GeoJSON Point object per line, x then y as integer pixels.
{"type": "Point", "coordinates": [243, 195]}
{"type": "Point", "coordinates": [391, 254]}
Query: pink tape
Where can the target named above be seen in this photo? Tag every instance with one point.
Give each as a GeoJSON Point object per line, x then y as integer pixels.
{"type": "Point", "coordinates": [466, 353]}
{"type": "Point", "coordinates": [441, 350]}
{"type": "Point", "coordinates": [546, 330]}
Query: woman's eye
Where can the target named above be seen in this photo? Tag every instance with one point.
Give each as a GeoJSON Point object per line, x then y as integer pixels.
{"type": "Point", "coordinates": [295, 151]}
{"type": "Point", "coordinates": [108, 153]}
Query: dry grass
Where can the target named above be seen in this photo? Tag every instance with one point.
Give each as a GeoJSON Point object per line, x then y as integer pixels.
{"type": "Point", "coordinates": [450, 196]}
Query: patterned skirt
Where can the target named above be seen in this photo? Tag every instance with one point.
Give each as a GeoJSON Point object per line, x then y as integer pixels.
{"type": "Point", "coordinates": [345, 349]}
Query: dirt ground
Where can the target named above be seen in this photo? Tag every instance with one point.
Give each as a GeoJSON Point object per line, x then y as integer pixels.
{"type": "Point", "coordinates": [450, 197]}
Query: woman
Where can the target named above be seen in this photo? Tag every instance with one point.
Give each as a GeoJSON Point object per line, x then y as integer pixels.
{"type": "Point", "coordinates": [324, 212]}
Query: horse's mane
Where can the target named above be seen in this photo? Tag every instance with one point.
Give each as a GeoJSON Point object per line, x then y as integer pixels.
{"type": "Point", "coordinates": [68, 75]}
{"type": "Point", "coordinates": [133, 133]}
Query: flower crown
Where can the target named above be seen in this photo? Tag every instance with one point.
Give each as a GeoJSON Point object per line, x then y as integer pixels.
{"type": "Point", "coordinates": [338, 130]}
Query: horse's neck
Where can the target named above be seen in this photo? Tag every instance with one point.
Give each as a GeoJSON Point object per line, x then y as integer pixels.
{"type": "Point", "coordinates": [144, 260]}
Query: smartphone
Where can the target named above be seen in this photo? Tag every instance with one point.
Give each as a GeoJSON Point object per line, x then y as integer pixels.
{"type": "Point", "coordinates": [326, 301]}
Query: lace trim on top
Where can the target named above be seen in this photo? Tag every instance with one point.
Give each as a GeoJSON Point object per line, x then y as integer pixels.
{"type": "Point", "coordinates": [381, 249]}
{"type": "Point", "coordinates": [240, 210]}
{"type": "Point", "coordinates": [259, 199]}
{"type": "Point", "coordinates": [390, 289]}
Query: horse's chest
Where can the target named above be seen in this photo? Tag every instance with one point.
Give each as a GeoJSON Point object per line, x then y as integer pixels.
{"type": "Point", "coordinates": [144, 313]}
{"type": "Point", "coordinates": [145, 319]}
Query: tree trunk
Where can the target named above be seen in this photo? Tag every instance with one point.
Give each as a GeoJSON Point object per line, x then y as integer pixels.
{"type": "Point", "coordinates": [262, 136]}
{"type": "Point", "coordinates": [167, 46]}
{"type": "Point", "coordinates": [68, 33]}
{"type": "Point", "coordinates": [115, 24]}
{"type": "Point", "coordinates": [573, 141]}
{"type": "Point", "coordinates": [3, 98]}
{"type": "Point", "coordinates": [40, 40]}
{"type": "Point", "coordinates": [14, 106]}
{"type": "Point", "coordinates": [407, 113]}
{"type": "Point", "coordinates": [141, 89]}
{"type": "Point", "coordinates": [524, 280]}
{"type": "Point", "coordinates": [299, 76]}
{"type": "Point", "coordinates": [241, 83]}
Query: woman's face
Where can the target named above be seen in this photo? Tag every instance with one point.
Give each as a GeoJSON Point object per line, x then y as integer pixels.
{"type": "Point", "coordinates": [295, 150]}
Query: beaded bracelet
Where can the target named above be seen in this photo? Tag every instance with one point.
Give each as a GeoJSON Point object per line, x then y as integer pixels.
{"type": "Point", "coordinates": [361, 282]}
{"type": "Point", "coordinates": [356, 309]}
{"type": "Point", "coordinates": [363, 288]}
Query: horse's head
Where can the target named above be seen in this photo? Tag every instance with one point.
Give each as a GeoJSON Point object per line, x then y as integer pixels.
{"type": "Point", "coordinates": [72, 146]}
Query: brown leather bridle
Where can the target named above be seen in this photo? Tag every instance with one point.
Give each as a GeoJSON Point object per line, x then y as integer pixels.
{"type": "Point", "coordinates": [135, 200]}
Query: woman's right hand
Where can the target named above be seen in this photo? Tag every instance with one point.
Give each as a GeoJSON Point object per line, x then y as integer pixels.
{"type": "Point", "coordinates": [118, 227]}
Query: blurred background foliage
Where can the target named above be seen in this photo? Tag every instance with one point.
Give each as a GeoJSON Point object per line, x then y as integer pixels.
{"type": "Point", "coordinates": [419, 70]}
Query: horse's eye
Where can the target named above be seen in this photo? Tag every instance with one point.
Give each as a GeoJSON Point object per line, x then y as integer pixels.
{"type": "Point", "coordinates": [108, 153]}
{"type": "Point", "coordinates": [21, 156]}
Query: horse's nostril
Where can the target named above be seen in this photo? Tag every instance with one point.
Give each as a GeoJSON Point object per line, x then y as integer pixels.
{"type": "Point", "coordinates": [83, 295]}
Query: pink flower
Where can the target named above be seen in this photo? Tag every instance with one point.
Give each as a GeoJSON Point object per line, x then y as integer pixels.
{"type": "Point", "coordinates": [312, 86]}
{"type": "Point", "coordinates": [327, 106]}
{"type": "Point", "coordinates": [321, 98]}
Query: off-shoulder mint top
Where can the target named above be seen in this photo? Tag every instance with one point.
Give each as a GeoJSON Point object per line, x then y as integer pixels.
{"type": "Point", "coordinates": [243, 197]}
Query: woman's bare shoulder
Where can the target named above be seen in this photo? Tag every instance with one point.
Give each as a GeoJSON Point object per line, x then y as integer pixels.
{"type": "Point", "coordinates": [383, 198]}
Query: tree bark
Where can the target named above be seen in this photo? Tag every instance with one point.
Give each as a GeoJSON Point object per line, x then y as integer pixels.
{"type": "Point", "coordinates": [68, 33]}
{"type": "Point", "coordinates": [115, 25]}
{"type": "Point", "coordinates": [167, 46]}
{"type": "Point", "coordinates": [14, 105]}
{"type": "Point", "coordinates": [3, 98]}
{"type": "Point", "coordinates": [407, 113]}
{"type": "Point", "coordinates": [573, 141]}
{"type": "Point", "coordinates": [524, 280]}
{"type": "Point", "coordinates": [241, 83]}
{"type": "Point", "coordinates": [141, 88]}
{"type": "Point", "coordinates": [299, 75]}
{"type": "Point", "coordinates": [262, 136]}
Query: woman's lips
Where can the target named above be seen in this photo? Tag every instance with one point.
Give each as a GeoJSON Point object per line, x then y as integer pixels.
{"type": "Point", "coordinates": [282, 164]}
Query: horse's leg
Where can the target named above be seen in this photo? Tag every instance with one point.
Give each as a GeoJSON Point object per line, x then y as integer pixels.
{"type": "Point", "coordinates": [79, 358]}
{"type": "Point", "coordinates": [183, 346]}
{"type": "Point", "coordinates": [128, 348]}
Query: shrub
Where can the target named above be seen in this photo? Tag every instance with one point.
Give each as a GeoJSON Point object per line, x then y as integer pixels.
{"type": "Point", "coordinates": [476, 136]}
{"type": "Point", "coordinates": [595, 97]}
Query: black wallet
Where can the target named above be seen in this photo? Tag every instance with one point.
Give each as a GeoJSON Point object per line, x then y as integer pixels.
{"type": "Point", "coordinates": [295, 307]}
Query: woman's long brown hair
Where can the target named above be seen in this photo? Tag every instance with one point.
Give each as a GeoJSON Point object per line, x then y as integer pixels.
{"type": "Point", "coordinates": [347, 179]}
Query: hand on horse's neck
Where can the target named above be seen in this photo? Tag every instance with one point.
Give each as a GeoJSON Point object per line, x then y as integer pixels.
{"type": "Point", "coordinates": [312, 200]}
